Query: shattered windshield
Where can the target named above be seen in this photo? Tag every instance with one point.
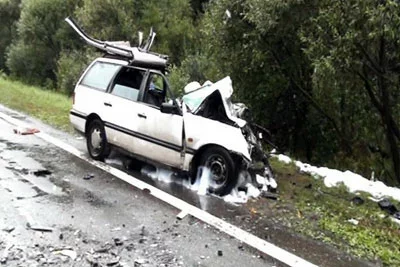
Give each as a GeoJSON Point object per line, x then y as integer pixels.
{"type": "Point", "coordinates": [194, 98]}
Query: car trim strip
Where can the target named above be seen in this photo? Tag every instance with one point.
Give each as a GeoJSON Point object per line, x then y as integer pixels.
{"type": "Point", "coordinates": [139, 135]}
{"type": "Point", "coordinates": [148, 138]}
{"type": "Point", "coordinates": [80, 115]}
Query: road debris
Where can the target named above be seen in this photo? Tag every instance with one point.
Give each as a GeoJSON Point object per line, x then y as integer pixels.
{"type": "Point", "coordinates": [357, 200]}
{"type": "Point", "coordinates": [270, 195]}
{"type": "Point", "coordinates": [9, 229]}
{"type": "Point", "coordinates": [139, 262]}
{"type": "Point", "coordinates": [66, 252]}
{"type": "Point", "coordinates": [26, 131]}
{"type": "Point", "coordinates": [88, 176]}
{"type": "Point", "coordinates": [118, 242]}
{"type": "Point", "coordinates": [220, 253]}
{"type": "Point", "coordinates": [41, 173]}
{"type": "Point", "coordinates": [4, 257]}
{"type": "Point", "coordinates": [39, 228]}
{"type": "Point", "coordinates": [353, 221]}
{"type": "Point", "coordinates": [387, 206]}
{"type": "Point", "coordinates": [182, 215]}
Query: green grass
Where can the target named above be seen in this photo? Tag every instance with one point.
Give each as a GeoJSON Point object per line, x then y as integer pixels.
{"type": "Point", "coordinates": [49, 106]}
{"type": "Point", "coordinates": [323, 213]}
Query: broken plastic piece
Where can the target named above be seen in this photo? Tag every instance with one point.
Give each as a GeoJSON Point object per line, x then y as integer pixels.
{"type": "Point", "coordinates": [182, 215]}
{"type": "Point", "coordinates": [66, 252]}
{"type": "Point", "coordinates": [357, 200]}
{"type": "Point", "coordinates": [39, 228]}
{"type": "Point", "coordinates": [387, 206]}
{"type": "Point", "coordinates": [88, 176]}
{"type": "Point", "coordinates": [26, 131]}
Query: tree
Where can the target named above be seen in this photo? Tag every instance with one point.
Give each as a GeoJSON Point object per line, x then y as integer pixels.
{"type": "Point", "coordinates": [354, 48]}
{"type": "Point", "coordinates": [9, 14]}
{"type": "Point", "coordinates": [42, 34]}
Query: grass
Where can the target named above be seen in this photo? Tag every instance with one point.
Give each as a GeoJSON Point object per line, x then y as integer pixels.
{"type": "Point", "coordinates": [49, 106]}
{"type": "Point", "coordinates": [324, 213]}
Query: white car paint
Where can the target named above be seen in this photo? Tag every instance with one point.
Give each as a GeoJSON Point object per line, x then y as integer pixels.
{"type": "Point", "coordinates": [167, 128]}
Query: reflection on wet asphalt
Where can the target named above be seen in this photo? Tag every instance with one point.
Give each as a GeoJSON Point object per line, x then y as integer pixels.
{"type": "Point", "coordinates": [43, 186]}
{"type": "Point", "coordinates": [51, 216]}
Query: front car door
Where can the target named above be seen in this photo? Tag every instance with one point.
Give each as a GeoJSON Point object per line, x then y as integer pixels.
{"type": "Point", "coordinates": [123, 108]}
{"type": "Point", "coordinates": [161, 133]}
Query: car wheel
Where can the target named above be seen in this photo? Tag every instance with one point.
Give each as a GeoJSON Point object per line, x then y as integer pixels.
{"type": "Point", "coordinates": [96, 140]}
{"type": "Point", "coordinates": [223, 176]}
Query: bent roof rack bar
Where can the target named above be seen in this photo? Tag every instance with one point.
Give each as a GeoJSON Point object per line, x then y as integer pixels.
{"type": "Point", "coordinates": [137, 57]}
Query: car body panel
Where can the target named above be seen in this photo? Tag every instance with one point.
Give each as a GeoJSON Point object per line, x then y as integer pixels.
{"type": "Point", "coordinates": [203, 131]}
{"type": "Point", "coordinates": [163, 135]}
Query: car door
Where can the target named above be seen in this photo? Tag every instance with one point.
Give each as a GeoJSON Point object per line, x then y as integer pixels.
{"type": "Point", "coordinates": [123, 108]}
{"type": "Point", "coordinates": [160, 133]}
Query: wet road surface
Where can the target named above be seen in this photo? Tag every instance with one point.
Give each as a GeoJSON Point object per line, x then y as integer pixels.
{"type": "Point", "coordinates": [43, 186]}
{"type": "Point", "coordinates": [50, 215]}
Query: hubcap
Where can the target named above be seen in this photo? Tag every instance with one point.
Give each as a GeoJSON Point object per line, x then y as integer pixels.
{"type": "Point", "coordinates": [95, 139]}
{"type": "Point", "coordinates": [218, 169]}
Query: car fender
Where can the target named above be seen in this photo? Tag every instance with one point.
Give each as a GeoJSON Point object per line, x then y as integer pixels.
{"type": "Point", "coordinates": [200, 131]}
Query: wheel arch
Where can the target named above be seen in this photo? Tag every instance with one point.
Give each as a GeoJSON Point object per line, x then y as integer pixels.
{"type": "Point", "coordinates": [90, 118]}
{"type": "Point", "coordinates": [237, 159]}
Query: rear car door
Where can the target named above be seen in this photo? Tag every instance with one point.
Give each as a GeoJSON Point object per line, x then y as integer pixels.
{"type": "Point", "coordinates": [160, 133]}
{"type": "Point", "coordinates": [90, 92]}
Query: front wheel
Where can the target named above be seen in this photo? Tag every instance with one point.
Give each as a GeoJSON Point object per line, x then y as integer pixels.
{"type": "Point", "coordinates": [223, 176]}
{"type": "Point", "coordinates": [96, 140]}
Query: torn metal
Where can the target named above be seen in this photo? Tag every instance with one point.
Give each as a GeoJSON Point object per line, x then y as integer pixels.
{"type": "Point", "coordinates": [213, 101]}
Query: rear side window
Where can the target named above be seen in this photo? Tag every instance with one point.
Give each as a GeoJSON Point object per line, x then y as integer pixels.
{"type": "Point", "coordinates": [127, 83]}
{"type": "Point", "coordinates": [100, 75]}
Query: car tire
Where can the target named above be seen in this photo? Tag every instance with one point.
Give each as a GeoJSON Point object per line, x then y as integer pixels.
{"type": "Point", "coordinates": [222, 168]}
{"type": "Point", "coordinates": [96, 140]}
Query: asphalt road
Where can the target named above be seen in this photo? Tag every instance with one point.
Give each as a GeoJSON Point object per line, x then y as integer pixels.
{"type": "Point", "coordinates": [55, 217]}
{"type": "Point", "coordinates": [51, 216]}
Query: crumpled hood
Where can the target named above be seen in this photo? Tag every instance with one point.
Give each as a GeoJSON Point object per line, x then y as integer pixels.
{"type": "Point", "coordinates": [195, 98]}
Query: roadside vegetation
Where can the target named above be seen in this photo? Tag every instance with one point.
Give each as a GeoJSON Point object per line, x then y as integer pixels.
{"type": "Point", "coordinates": [326, 214]}
{"type": "Point", "coordinates": [48, 106]}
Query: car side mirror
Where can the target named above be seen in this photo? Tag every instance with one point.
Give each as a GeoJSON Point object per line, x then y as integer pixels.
{"type": "Point", "coordinates": [169, 108]}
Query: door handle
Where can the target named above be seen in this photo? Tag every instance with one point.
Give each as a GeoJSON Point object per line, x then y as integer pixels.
{"type": "Point", "coordinates": [107, 104]}
{"type": "Point", "coordinates": [140, 115]}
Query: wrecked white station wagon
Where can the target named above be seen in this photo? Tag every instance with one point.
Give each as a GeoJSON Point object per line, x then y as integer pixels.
{"type": "Point", "coordinates": [123, 100]}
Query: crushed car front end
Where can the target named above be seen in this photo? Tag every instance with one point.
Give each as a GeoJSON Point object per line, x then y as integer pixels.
{"type": "Point", "coordinates": [213, 101]}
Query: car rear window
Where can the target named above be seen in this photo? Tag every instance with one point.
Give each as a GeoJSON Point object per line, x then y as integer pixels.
{"type": "Point", "coordinates": [100, 75]}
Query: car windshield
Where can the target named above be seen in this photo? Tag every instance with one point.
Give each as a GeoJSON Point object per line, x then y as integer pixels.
{"type": "Point", "coordinates": [194, 99]}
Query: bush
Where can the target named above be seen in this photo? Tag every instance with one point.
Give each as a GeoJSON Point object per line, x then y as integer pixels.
{"type": "Point", "coordinates": [70, 67]}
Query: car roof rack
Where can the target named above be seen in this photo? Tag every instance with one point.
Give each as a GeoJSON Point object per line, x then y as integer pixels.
{"type": "Point", "coordinates": [135, 55]}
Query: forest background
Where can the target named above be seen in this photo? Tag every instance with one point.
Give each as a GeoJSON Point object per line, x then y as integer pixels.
{"type": "Point", "coordinates": [323, 76]}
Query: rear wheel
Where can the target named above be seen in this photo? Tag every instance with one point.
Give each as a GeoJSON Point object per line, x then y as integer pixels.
{"type": "Point", "coordinates": [223, 176]}
{"type": "Point", "coordinates": [96, 140]}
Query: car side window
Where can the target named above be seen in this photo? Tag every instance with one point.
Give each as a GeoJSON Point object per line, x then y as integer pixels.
{"type": "Point", "coordinates": [100, 75]}
{"type": "Point", "coordinates": [127, 83]}
{"type": "Point", "coordinates": [155, 90]}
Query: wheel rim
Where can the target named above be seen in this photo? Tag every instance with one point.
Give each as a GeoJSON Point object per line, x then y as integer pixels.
{"type": "Point", "coordinates": [218, 170]}
{"type": "Point", "coordinates": [96, 141]}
